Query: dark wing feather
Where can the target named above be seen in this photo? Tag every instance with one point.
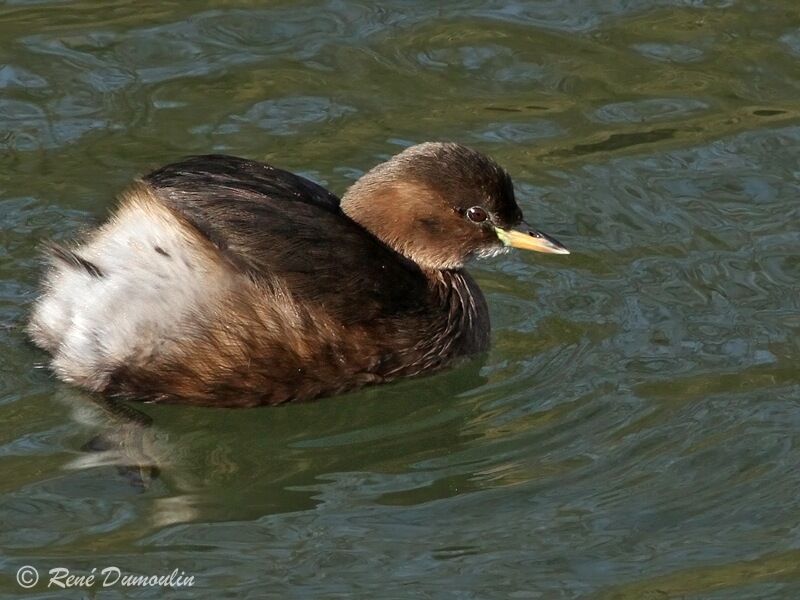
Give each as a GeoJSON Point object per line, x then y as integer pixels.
{"type": "Point", "coordinates": [270, 222]}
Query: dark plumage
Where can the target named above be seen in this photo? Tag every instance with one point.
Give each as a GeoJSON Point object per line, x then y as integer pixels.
{"type": "Point", "coordinates": [73, 259]}
{"type": "Point", "coordinates": [265, 220]}
{"type": "Point", "coordinates": [226, 281]}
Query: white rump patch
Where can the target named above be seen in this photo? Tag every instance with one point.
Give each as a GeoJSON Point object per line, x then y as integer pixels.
{"type": "Point", "coordinates": [156, 274]}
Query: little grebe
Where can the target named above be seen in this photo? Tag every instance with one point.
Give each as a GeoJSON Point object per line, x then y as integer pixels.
{"type": "Point", "coordinates": [228, 282]}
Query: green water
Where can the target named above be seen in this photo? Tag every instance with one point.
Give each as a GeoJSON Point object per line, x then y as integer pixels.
{"type": "Point", "coordinates": [634, 432]}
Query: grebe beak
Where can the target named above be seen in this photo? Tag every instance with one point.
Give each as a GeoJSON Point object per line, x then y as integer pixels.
{"type": "Point", "coordinates": [530, 239]}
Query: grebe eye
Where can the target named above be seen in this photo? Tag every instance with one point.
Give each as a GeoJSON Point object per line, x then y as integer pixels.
{"type": "Point", "coordinates": [477, 215]}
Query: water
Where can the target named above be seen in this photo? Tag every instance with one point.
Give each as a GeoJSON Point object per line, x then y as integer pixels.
{"type": "Point", "coordinates": [634, 432]}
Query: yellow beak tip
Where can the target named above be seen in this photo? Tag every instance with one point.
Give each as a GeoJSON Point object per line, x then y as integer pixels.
{"type": "Point", "coordinates": [531, 240]}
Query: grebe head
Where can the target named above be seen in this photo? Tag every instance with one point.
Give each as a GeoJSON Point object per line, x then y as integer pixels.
{"type": "Point", "coordinates": [440, 204]}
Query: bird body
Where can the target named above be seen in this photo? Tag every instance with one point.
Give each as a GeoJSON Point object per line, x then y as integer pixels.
{"type": "Point", "coordinates": [223, 281]}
